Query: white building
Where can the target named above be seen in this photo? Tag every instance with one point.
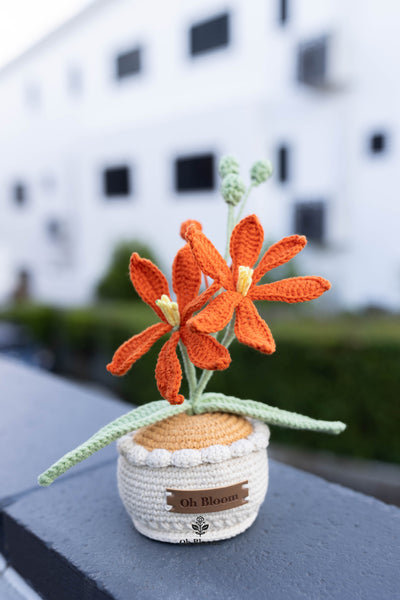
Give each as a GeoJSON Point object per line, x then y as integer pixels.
{"type": "Point", "coordinates": [112, 127]}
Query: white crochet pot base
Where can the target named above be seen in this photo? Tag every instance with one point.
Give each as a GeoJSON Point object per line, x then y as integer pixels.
{"type": "Point", "coordinates": [144, 476]}
{"type": "Point", "coordinates": [189, 537]}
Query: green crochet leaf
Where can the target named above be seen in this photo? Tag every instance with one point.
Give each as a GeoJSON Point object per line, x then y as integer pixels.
{"type": "Point", "coordinates": [269, 414]}
{"type": "Point", "coordinates": [139, 417]}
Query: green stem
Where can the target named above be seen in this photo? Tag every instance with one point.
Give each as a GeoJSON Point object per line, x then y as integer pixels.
{"type": "Point", "coordinates": [228, 338]}
{"type": "Point", "coordinates": [243, 203]}
{"type": "Point", "coordinates": [229, 332]}
{"type": "Point", "coordinates": [230, 226]}
{"type": "Point", "coordinates": [190, 370]}
{"type": "Point", "coordinates": [204, 379]}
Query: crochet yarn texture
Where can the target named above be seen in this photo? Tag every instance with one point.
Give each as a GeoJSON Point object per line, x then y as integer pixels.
{"type": "Point", "coordinates": [196, 431]}
{"type": "Point", "coordinates": [203, 350]}
{"type": "Point", "coordinates": [245, 246]}
{"type": "Point", "coordinates": [144, 476]}
{"type": "Point", "coordinates": [192, 438]}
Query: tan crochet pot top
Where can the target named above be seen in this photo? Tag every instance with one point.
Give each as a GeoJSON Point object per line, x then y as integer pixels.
{"type": "Point", "coordinates": [193, 431]}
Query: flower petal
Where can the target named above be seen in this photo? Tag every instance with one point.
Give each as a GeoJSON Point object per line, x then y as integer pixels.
{"type": "Point", "coordinates": [208, 258]}
{"type": "Point", "coordinates": [186, 277]}
{"type": "Point", "coordinates": [217, 314]}
{"type": "Point", "coordinates": [200, 301]}
{"type": "Point", "coordinates": [169, 372]}
{"type": "Point", "coordinates": [295, 289]}
{"type": "Point", "coordinates": [186, 224]}
{"type": "Point", "coordinates": [279, 254]}
{"type": "Point", "coordinates": [148, 281]}
{"type": "Point", "coordinates": [204, 350]}
{"type": "Point", "coordinates": [246, 243]}
{"type": "Point", "coordinates": [251, 329]}
{"type": "Point", "coordinates": [133, 349]}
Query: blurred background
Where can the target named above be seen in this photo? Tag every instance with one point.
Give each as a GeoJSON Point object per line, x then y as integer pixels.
{"type": "Point", "coordinates": [113, 117]}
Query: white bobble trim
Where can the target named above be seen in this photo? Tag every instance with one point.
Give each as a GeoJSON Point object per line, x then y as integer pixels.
{"type": "Point", "coordinates": [186, 458]}
{"type": "Point", "coordinates": [123, 444]}
{"type": "Point", "coordinates": [260, 427]}
{"type": "Point", "coordinates": [241, 448]}
{"type": "Point", "coordinates": [137, 454]}
{"type": "Point", "coordinates": [259, 440]}
{"type": "Point", "coordinates": [217, 453]}
{"type": "Point", "coordinates": [158, 458]}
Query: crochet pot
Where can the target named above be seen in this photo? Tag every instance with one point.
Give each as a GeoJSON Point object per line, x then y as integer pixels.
{"type": "Point", "coordinates": [194, 478]}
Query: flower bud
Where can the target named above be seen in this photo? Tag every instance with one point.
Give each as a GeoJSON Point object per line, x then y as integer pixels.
{"type": "Point", "coordinates": [186, 224]}
{"type": "Point", "coordinates": [260, 172]}
{"type": "Point", "coordinates": [232, 189]}
{"type": "Point", "coordinates": [228, 165]}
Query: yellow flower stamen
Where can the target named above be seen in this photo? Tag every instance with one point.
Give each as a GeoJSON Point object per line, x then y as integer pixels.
{"type": "Point", "coordinates": [170, 310]}
{"type": "Point", "coordinates": [245, 279]}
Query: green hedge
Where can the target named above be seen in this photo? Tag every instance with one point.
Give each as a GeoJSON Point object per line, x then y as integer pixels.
{"type": "Point", "coordinates": [345, 368]}
{"type": "Point", "coordinates": [115, 284]}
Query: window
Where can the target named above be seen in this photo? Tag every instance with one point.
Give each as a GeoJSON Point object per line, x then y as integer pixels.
{"type": "Point", "coordinates": [195, 173]}
{"type": "Point", "coordinates": [309, 220]}
{"type": "Point", "coordinates": [283, 164]}
{"type": "Point", "coordinates": [378, 143]}
{"type": "Point", "coordinates": [312, 62]}
{"type": "Point", "coordinates": [283, 11]}
{"type": "Point", "coordinates": [209, 35]}
{"type": "Point", "coordinates": [117, 181]}
{"type": "Point", "coordinates": [129, 63]}
{"type": "Point", "coordinates": [19, 193]}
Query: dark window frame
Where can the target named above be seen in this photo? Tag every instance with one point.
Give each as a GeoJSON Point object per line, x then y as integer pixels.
{"type": "Point", "coordinates": [117, 182]}
{"type": "Point", "coordinates": [312, 221]}
{"type": "Point", "coordinates": [283, 16]}
{"type": "Point", "coordinates": [313, 61]}
{"type": "Point", "coordinates": [378, 142]}
{"type": "Point", "coordinates": [195, 173]}
{"type": "Point", "coordinates": [19, 193]}
{"type": "Point", "coordinates": [129, 63]}
{"type": "Point", "coordinates": [218, 26]}
{"type": "Point", "coordinates": [283, 156]}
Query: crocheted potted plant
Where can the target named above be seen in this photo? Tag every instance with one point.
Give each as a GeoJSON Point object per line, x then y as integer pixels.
{"type": "Point", "coordinates": [180, 459]}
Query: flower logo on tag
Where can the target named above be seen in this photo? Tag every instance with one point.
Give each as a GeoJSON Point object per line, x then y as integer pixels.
{"type": "Point", "coordinates": [200, 526]}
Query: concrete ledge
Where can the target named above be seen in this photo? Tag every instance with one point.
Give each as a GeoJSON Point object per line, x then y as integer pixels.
{"type": "Point", "coordinates": [74, 540]}
{"type": "Point", "coordinates": [311, 540]}
{"type": "Point", "coordinates": [42, 417]}
{"type": "Point", "coordinates": [371, 477]}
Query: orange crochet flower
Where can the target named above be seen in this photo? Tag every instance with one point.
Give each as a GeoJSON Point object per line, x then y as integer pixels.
{"type": "Point", "coordinates": [204, 350]}
{"type": "Point", "coordinates": [240, 282]}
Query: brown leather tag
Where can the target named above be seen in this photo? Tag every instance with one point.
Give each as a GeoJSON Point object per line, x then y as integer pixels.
{"type": "Point", "coordinates": [209, 500]}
